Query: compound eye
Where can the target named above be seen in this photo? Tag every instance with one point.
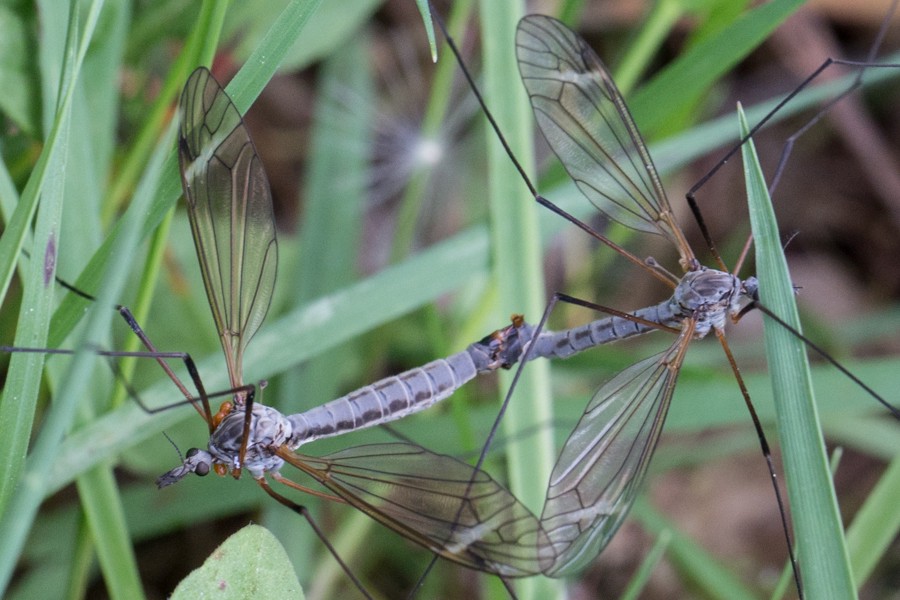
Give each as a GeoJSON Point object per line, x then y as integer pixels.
{"type": "Point", "coordinates": [192, 452]}
{"type": "Point", "coordinates": [202, 469]}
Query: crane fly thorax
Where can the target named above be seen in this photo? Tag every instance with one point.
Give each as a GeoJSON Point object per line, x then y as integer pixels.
{"type": "Point", "coordinates": [709, 297]}
{"type": "Point", "coordinates": [269, 429]}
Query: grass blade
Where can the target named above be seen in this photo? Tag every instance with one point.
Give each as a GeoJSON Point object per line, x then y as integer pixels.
{"type": "Point", "coordinates": [518, 269]}
{"type": "Point", "coordinates": [824, 564]}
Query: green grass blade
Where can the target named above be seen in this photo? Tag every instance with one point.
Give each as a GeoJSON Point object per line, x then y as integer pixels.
{"type": "Point", "coordinates": [34, 484]}
{"type": "Point", "coordinates": [263, 62]}
{"type": "Point", "coordinates": [99, 494]}
{"type": "Point", "coordinates": [20, 392]}
{"type": "Point", "coordinates": [105, 539]}
{"type": "Point", "coordinates": [875, 527]}
{"type": "Point", "coordinates": [641, 577]}
{"type": "Point", "coordinates": [709, 575]}
{"type": "Point", "coordinates": [332, 26]}
{"type": "Point", "coordinates": [425, 11]}
{"type": "Point", "coordinates": [824, 564]}
{"type": "Point", "coordinates": [658, 24]}
{"type": "Point", "coordinates": [199, 48]}
{"type": "Point", "coordinates": [518, 269]}
{"type": "Point", "coordinates": [687, 79]}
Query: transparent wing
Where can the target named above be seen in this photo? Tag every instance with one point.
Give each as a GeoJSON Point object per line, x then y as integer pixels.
{"type": "Point", "coordinates": [230, 208]}
{"type": "Point", "coordinates": [421, 495]}
{"type": "Point", "coordinates": [586, 122]}
{"type": "Point", "coordinates": [602, 465]}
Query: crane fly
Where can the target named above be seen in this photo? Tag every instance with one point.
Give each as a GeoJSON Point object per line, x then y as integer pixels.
{"type": "Point", "coordinates": [602, 464]}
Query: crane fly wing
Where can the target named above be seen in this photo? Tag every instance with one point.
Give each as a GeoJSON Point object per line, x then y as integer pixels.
{"type": "Point", "coordinates": [437, 501]}
{"type": "Point", "coordinates": [582, 114]}
{"type": "Point", "coordinates": [601, 467]}
{"type": "Point", "coordinates": [230, 209]}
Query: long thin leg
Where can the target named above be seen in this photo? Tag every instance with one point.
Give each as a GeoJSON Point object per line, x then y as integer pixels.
{"type": "Point", "coordinates": [203, 408]}
{"type": "Point", "coordinates": [834, 362]}
{"type": "Point", "coordinates": [153, 354]}
{"type": "Point", "coordinates": [767, 453]}
{"type": "Point", "coordinates": [691, 193]}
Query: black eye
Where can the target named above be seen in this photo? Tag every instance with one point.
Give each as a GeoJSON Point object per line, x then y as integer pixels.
{"type": "Point", "coordinates": [202, 469]}
{"type": "Point", "coordinates": [192, 452]}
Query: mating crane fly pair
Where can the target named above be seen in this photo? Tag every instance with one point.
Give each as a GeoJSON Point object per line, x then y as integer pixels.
{"type": "Point", "coordinates": [467, 517]}
{"type": "Point", "coordinates": [230, 210]}
{"type": "Point", "coordinates": [461, 514]}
